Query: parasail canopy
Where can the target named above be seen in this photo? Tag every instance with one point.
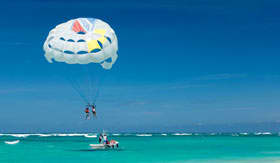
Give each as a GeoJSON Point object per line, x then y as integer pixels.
{"type": "Point", "coordinates": [82, 41]}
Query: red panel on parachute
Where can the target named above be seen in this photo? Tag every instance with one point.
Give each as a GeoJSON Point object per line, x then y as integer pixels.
{"type": "Point", "coordinates": [77, 27]}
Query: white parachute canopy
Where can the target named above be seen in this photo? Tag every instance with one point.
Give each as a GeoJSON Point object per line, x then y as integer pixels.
{"type": "Point", "coordinates": [82, 41]}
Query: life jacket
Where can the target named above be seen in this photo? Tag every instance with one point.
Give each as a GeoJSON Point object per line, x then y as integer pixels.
{"type": "Point", "coordinates": [87, 110]}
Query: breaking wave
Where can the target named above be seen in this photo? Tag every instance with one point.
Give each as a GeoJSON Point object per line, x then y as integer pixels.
{"type": "Point", "coordinates": [19, 135]}
{"type": "Point", "coordinates": [182, 134]}
{"type": "Point", "coordinates": [90, 136]}
{"type": "Point", "coordinates": [144, 135]}
{"type": "Point", "coordinates": [12, 142]}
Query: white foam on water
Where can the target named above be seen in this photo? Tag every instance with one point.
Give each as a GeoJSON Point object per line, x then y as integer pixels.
{"type": "Point", "coordinates": [116, 134]}
{"type": "Point", "coordinates": [62, 134]}
{"type": "Point", "coordinates": [244, 133]}
{"type": "Point", "coordinates": [75, 134]}
{"type": "Point", "coordinates": [44, 135]}
{"type": "Point", "coordinates": [182, 134]}
{"type": "Point", "coordinates": [258, 133]}
{"type": "Point", "coordinates": [144, 135]}
{"type": "Point", "coordinates": [19, 135]}
{"type": "Point", "coordinates": [266, 133]}
{"type": "Point", "coordinates": [164, 134]}
{"type": "Point", "coordinates": [90, 136]}
{"type": "Point", "coordinates": [12, 142]}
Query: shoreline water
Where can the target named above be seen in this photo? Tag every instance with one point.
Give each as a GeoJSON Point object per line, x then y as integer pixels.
{"type": "Point", "coordinates": [146, 147]}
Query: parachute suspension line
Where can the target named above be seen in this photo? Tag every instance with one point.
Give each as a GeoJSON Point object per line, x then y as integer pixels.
{"type": "Point", "coordinates": [93, 84]}
{"type": "Point", "coordinates": [90, 90]}
{"type": "Point", "coordinates": [88, 84]}
{"type": "Point", "coordinates": [98, 83]}
{"type": "Point", "coordinates": [96, 95]}
{"type": "Point", "coordinates": [77, 88]}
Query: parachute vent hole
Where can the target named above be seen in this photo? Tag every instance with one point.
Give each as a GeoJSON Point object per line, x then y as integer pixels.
{"type": "Point", "coordinates": [70, 40]}
{"type": "Point", "coordinates": [81, 41]}
{"type": "Point", "coordinates": [61, 38]}
{"type": "Point", "coordinates": [108, 38]}
{"type": "Point", "coordinates": [100, 44]}
{"type": "Point", "coordinates": [68, 52]}
{"type": "Point", "coordinates": [82, 52]}
{"type": "Point", "coordinates": [81, 33]}
{"type": "Point", "coordinates": [95, 50]}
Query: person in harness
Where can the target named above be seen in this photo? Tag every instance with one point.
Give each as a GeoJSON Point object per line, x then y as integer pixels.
{"type": "Point", "coordinates": [87, 113]}
{"type": "Point", "coordinates": [93, 109]}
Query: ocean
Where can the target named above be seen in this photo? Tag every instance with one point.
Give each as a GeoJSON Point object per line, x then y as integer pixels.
{"type": "Point", "coordinates": [141, 148]}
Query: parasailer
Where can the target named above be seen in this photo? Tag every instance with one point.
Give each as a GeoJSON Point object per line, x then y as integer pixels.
{"type": "Point", "coordinates": [84, 42]}
{"type": "Point", "coordinates": [87, 113]}
{"type": "Point", "coordinates": [93, 109]}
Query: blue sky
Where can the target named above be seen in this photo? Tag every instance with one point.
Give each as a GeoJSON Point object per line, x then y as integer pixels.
{"type": "Point", "coordinates": [181, 63]}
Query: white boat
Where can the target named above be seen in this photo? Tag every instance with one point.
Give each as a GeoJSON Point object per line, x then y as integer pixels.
{"type": "Point", "coordinates": [97, 146]}
{"type": "Point", "coordinates": [112, 144]}
{"type": "Point", "coordinates": [12, 142]}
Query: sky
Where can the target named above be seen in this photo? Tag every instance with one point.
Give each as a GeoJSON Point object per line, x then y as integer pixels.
{"type": "Point", "coordinates": [193, 65]}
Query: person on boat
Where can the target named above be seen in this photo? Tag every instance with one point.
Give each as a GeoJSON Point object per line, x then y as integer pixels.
{"type": "Point", "coordinates": [100, 138]}
{"type": "Point", "coordinates": [87, 113]}
{"type": "Point", "coordinates": [93, 109]}
{"type": "Point", "coordinates": [114, 144]}
{"type": "Point", "coordinates": [105, 139]}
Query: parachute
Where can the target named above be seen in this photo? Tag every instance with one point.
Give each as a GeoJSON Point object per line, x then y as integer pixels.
{"type": "Point", "coordinates": [83, 42]}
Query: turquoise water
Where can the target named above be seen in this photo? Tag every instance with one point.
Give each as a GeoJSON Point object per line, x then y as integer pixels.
{"type": "Point", "coordinates": [156, 148]}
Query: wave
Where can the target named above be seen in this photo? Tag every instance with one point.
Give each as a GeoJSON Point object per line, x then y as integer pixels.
{"type": "Point", "coordinates": [44, 135]}
{"type": "Point", "coordinates": [182, 134]}
{"type": "Point", "coordinates": [12, 142]}
{"type": "Point", "coordinates": [19, 135]}
{"type": "Point", "coordinates": [244, 133]}
{"type": "Point", "coordinates": [116, 134]}
{"type": "Point", "coordinates": [262, 133]}
{"type": "Point", "coordinates": [164, 134]}
{"type": "Point", "coordinates": [144, 135]}
{"type": "Point", "coordinates": [76, 134]}
{"type": "Point", "coordinates": [266, 133]}
{"type": "Point", "coordinates": [258, 133]}
{"type": "Point", "coordinates": [90, 136]}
